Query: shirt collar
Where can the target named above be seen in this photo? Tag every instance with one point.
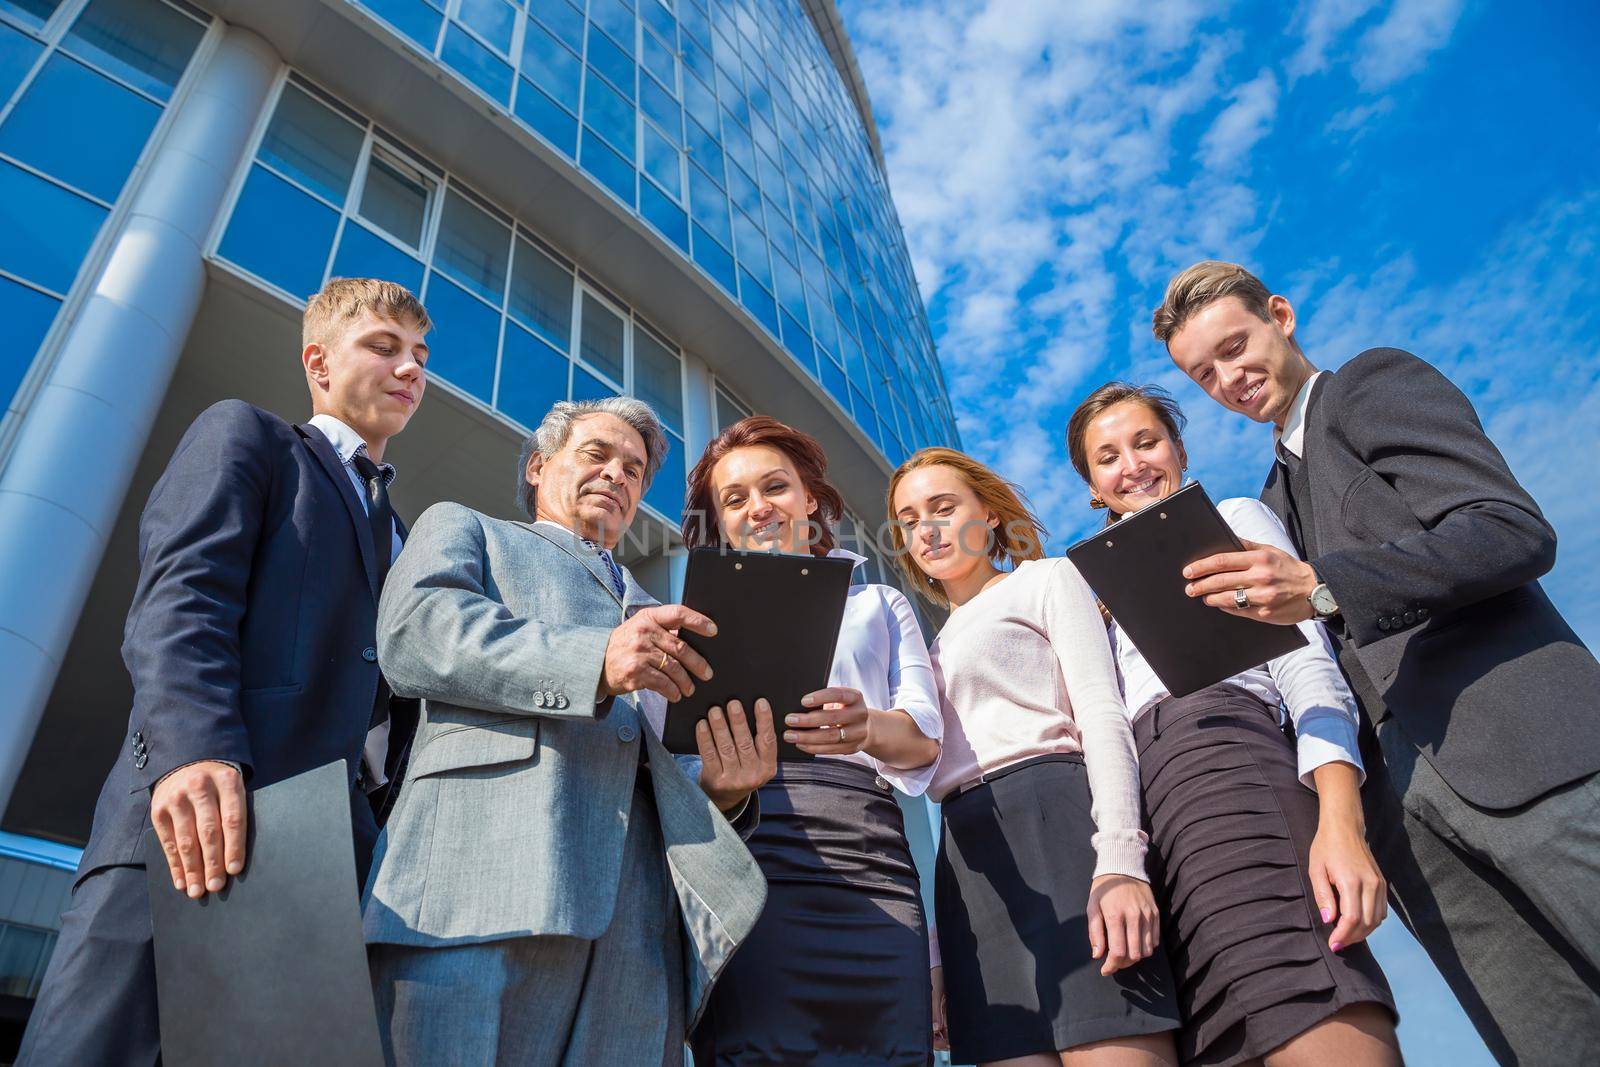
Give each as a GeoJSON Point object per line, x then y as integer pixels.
{"type": "Point", "coordinates": [844, 553]}
{"type": "Point", "coordinates": [347, 444]}
{"type": "Point", "coordinates": [1292, 438]}
{"type": "Point", "coordinates": [553, 524]}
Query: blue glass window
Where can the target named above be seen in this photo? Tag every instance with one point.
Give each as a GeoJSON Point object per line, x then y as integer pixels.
{"type": "Point", "coordinates": [791, 291]}
{"type": "Point", "coordinates": [701, 102]}
{"type": "Point", "coordinates": [658, 18]}
{"type": "Point", "coordinates": [758, 301]}
{"type": "Point", "coordinates": [658, 378]}
{"type": "Point", "coordinates": [751, 246]}
{"type": "Point", "coordinates": [565, 21]}
{"type": "Point", "coordinates": [613, 62]}
{"type": "Point", "coordinates": [466, 335]}
{"type": "Point", "coordinates": [609, 115]}
{"type": "Point", "coordinates": [746, 195]}
{"type": "Point", "coordinates": [415, 19]}
{"type": "Point", "coordinates": [697, 59]}
{"type": "Point", "coordinates": [770, 174]}
{"type": "Point", "coordinates": [693, 18]}
{"type": "Point", "coordinates": [280, 234]}
{"type": "Point", "coordinates": [661, 161]}
{"type": "Point", "coordinates": [586, 386]}
{"type": "Point", "coordinates": [30, 12]}
{"type": "Point", "coordinates": [616, 18]}
{"type": "Point", "coordinates": [541, 295]}
{"type": "Point", "coordinates": [395, 196]}
{"type": "Point", "coordinates": [833, 380]}
{"type": "Point", "coordinates": [25, 317]}
{"type": "Point", "coordinates": [144, 42]}
{"type": "Point", "coordinates": [666, 491]}
{"type": "Point", "coordinates": [45, 231]}
{"type": "Point", "coordinates": [739, 145]}
{"type": "Point", "coordinates": [664, 215]}
{"type": "Point", "coordinates": [600, 339]}
{"type": "Point", "coordinates": [614, 172]}
{"type": "Point", "coordinates": [550, 66]}
{"type": "Point", "coordinates": [798, 342]}
{"type": "Point", "coordinates": [312, 143]}
{"type": "Point", "coordinates": [662, 107]}
{"type": "Point", "coordinates": [533, 376]}
{"type": "Point", "coordinates": [548, 118]}
{"type": "Point", "coordinates": [79, 126]}
{"type": "Point", "coordinates": [703, 148]}
{"type": "Point", "coordinates": [709, 205]}
{"type": "Point", "coordinates": [716, 260]}
{"type": "Point", "coordinates": [658, 58]}
{"type": "Point", "coordinates": [17, 54]}
{"type": "Point", "coordinates": [477, 64]}
{"type": "Point", "coordinates": [493, 20]}
{"type": "Point", "coordinates": [363, 254]}
{"type": "Point", "coordinates": [472, 247]}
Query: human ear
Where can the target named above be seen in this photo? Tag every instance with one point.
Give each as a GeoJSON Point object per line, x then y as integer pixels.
{"type": "Point", "coordinates": [314, 358]}
{"type": "Point", "coordinates": [1282, 313]}
{"type": "Point", "coordinates": [534, 468]}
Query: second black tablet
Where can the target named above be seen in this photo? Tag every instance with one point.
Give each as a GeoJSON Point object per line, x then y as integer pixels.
{"type": "Point", "coordinates": [777, 622]}
{"type": "Point", "coordinates": [1135, 566]}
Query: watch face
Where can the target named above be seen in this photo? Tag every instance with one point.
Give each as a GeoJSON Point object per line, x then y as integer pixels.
{"type": "Point", "coordinates": [1322, 601]}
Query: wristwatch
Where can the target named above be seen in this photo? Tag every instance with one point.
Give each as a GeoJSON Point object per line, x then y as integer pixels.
{"type": "Point", "coordinates": [1323, 606]}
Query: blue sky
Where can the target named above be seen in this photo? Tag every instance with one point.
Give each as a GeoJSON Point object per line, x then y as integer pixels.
{"type": "Point", "coordinates": [1416, 173]}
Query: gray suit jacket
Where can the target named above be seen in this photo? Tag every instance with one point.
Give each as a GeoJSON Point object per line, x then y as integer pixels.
{"type": "Point", "coordinates": [516, 803]}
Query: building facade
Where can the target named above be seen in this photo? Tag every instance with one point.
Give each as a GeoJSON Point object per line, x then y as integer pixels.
{"type": "Point", "coordinates": [680, 200]}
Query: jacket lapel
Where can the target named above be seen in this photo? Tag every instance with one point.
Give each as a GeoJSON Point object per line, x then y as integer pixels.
{"type": "Point", "coordinates": [323, 450]}
{"type": "Point", "coordinates": [1275, 495]}
{"type": "Point", "coordinates": [573, 546]}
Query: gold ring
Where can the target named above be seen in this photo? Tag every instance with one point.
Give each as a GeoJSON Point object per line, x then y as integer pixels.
{"type": "Point", "coordinates": [663, 667]}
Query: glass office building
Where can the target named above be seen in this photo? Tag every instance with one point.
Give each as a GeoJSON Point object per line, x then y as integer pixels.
{"type": "Point", "coordinates": [680, 200]}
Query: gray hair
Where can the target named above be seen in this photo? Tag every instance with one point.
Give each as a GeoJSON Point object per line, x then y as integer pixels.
{"type": "Point", "coordinates": [556, 428]}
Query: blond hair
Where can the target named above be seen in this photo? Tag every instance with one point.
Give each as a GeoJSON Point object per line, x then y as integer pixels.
{"type": "Point", "coordinates": [1020, 535]}
{"type": "Point", "coordinates": [343, 300]}
{"type": "Point", "coordinates": [1202, 285]}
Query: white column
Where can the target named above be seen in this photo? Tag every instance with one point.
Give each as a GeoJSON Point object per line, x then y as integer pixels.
{"type": "Point", "coordinates": [699, 428]}
{"type": "Point", "coordinates": [81, 437]}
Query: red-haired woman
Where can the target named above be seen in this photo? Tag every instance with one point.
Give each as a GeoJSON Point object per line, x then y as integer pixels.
{"type": "Point", "coordinates": [836, 970]}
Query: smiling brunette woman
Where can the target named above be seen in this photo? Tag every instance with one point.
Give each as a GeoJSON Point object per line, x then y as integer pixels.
{"type": "Point", "coordinates": [1035, 881]}
{"type": "Point", "coordinates": [835, 971]}
{"type": "Point", "coordinates": [1253, 838]}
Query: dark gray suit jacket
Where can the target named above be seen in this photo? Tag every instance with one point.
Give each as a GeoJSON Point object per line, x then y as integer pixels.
{"type": "Point", "coordinates": [1433, 552]}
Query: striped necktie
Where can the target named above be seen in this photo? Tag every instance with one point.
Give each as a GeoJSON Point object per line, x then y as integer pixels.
{"type": "Point", "coordinates": [611, 567]}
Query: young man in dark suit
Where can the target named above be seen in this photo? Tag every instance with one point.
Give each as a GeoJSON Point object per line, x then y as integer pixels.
{"type": "Point", "coordinates": [251, 642]}
{"type": "Point", "coordinates": [1422, 555]}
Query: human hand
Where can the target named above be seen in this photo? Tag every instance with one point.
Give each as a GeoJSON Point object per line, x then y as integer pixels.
{"type": "Point", "coordinates": [1277, 585]}
{"type": "Point", "coordinates": [1345, 878]}
{"type": "Point", "coordinates": [199, 816]}
{"type": "Point", "coordinates": [941, 1032]}
{"type": "Point", "coordinates": [646, 653]}
{"type": "Point", "coordinates": [841, 727]}
{"type": "Point", "coordinates": [733, 763]}
{"type": "Point", "coordinates": [1124, 925]}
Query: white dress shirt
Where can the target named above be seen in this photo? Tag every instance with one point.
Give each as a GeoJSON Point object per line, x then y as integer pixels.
{"type": "Point", "coordinates": [346, 445]}
{"type": "Point", "coordinates": [1307, 680]}
{"type": "Point", "coordinates": [882, 654]}
{"type": "Point", "coordinates": [1292, 438]}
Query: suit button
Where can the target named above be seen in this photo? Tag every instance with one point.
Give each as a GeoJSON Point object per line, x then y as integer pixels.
{"type": "Point", "coordinates": [1410, 617]}
{"type": "Point", "coordinates": [881, 782]}
{"type": "Point", "coordinates": [626, 733]}
{"type": "Point", "coordinates": [561, 701]}
{"type": "Point", "coordinates": [1383, 623]}
{"type": "Point", "coordinates": [538, 700]}
{"type": "Point", "coordinates": [369, 654]}
{"type": "Point", "coordinates": [140, 760]}
{"type": "Point", "coordinates": [1422, 613]}
{"type": "Point", "coordinates": [549, 699]}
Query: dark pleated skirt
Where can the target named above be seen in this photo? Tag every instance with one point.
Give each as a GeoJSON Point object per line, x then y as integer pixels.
{"type": "Point", "coordinates": [1012, 885]}
{"type": "Point", "coordinates": [836, 970]}
{"type": "Point", "coordinates": [1230, 840]}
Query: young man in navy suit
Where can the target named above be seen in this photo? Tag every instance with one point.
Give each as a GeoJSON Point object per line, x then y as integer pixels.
{"type": "Point", "coordinates": [251, 642]}
{"type": "Point", "coordinates": [1422, 554]}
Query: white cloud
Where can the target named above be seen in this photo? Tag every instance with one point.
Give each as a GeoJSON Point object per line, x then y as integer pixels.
{"type": "Point", "coordinates": [1321, 23]}
{"type": "Point", "coordinates": [1235, 133]}
{"type": "Point", "coordinates": [1399, 45]}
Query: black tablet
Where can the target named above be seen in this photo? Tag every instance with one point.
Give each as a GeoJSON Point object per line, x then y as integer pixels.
{"type": "Point", "coordinates": [777, 622]}
{"type": "Point", "coordinates": [1135, 566]}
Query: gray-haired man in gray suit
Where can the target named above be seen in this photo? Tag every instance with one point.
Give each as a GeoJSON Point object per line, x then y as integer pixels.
{"type": "Point", "coordinates": [551, 888]}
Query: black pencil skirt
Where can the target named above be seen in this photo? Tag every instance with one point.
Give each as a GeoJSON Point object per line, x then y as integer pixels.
{"type": "Point", "coordinates": [1230, 841]}
{"type": "Point", "coordinates": [1012, 894]}
{"type": "Point", "coordinates": [836, 969]}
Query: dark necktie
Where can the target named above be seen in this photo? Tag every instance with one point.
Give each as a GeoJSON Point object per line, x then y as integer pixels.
{"type": "Point", "coordinates": [380, 517]}
{"type": "Point", "coordinates": [612, 569]}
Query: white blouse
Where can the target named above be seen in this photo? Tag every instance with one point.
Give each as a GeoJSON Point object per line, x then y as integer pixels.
{"type": "Point", "coordinates": [1307, 680]}
{"type": "Point", "coordinates": [882, 654]}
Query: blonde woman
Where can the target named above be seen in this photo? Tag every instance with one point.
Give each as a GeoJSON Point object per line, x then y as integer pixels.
{"type": "Point", "coordinates": [1045, 951]}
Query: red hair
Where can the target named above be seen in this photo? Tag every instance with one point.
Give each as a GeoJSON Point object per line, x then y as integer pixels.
{"type": "Point", "coordinates": [700, 526]}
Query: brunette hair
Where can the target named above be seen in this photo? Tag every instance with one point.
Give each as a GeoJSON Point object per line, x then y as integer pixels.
{"type": "Point", "coordinates": [1020, 535]}
{"type": "Point", "coordinates": [1198, 287]}
{"type": "Point", "coordinates": [700, 526]}
{"type": "Point", "coordinates": [1156, 399]}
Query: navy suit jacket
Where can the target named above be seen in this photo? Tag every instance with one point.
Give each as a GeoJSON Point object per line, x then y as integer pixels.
{"type": "Point", "coordinates": [252, 635]}
{"type": "Point", "coordinates": [1433, 551]}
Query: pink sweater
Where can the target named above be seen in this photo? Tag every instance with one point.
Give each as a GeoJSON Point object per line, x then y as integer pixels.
{"type": "Point", "coordinates": [1025, 669]}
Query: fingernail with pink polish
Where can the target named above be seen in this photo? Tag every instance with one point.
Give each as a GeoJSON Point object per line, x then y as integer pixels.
{"type": "Point", "coordinates": [1336, 946]}
{"type": "Point", "coordinates": [1327, 915]}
